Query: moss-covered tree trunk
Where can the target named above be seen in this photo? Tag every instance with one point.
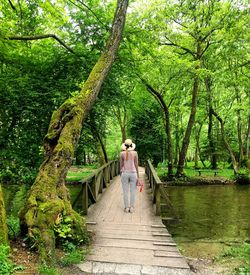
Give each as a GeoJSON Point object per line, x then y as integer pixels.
{"type": "Point", "coordinates": [3, 221]}
{"type": "Point", "coordinates": [48, 203]}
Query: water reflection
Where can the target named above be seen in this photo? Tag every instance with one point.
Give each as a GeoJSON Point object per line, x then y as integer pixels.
{"type": "Point", "coordinates": [210, 212]}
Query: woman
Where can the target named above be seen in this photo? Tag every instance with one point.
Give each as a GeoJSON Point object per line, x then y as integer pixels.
{"type": "Point", "coordinates": [129, 173]}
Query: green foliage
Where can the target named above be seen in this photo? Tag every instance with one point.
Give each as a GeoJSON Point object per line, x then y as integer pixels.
{"type": "Point", "coordinates": [13, 226]}
{"type": "Point", "coordinates": [243, 178]}
{"type": "Point", "coordinates": [65, 231]}
{"type": "Point", "coordinates": [6, 266]}
{"type": "Point", "coordinates": [63, 227]}
{"type": "Point", "coordinates": [240, 252]}
{"type": "Point", "coordinates": [145, 129]}
{"type": "Point", "coordinates": [19, 200]}
{"type": "Point", "coordinates": [43, 269]}
{"type": "Point", "coordinates": [74, 257]}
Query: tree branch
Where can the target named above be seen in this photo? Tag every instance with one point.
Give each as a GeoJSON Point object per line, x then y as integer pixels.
{"type": "Point", "coordinates": [12, 6]}
{"type": "Point", "coordinates": [42, 36]}
{"type": "Point", "coordinates": [178, 46]}
{"type": "Point", "coordinates": [89, 9]}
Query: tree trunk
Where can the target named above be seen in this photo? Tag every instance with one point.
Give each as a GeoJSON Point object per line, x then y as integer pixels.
{"type": "Point", "coordinates": [122, 120]}
{"type": "Point", "coordinates": [101, 150]}
{"type": "Point", "coordinates": [212, 150]}
{"type": "Point", "coordinates": [197, 146]}
{"type": "Point", "coordinates": [239, 127]}
{"type": "Point", "coordinates": [177, 137]}
{"type": "Point", "coordinates": [3, 221]}
{"type": "Point", "coordinates": [234, 161]}
{"type": "Point", "coordinates": [165, 109]}
{"type": "Point", "coordinates": [186, 139]}
{"type": "Point", "coordinates": [48, 202]}
{"type": "Point", "coordinates": [246, 144]}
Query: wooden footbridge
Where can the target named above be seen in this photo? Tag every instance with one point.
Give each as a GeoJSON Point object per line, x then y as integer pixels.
{"type": "Point", "coordinates": [127, 243]}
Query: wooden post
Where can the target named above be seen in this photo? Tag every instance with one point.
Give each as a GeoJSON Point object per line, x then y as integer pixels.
{"type": "Point", "coordinates": [157, 199]}
{"type": "Point", "coordinates": [85, 198]}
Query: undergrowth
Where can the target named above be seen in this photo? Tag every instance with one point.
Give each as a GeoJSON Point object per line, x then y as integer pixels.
{"type": "Point", "coordinates": [241, 253]}
{"type": "Point", "coordinates": [7, 266]}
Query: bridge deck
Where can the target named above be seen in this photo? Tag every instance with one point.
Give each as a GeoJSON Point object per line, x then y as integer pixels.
{"type": "Point", "coordinates": [138, 240]}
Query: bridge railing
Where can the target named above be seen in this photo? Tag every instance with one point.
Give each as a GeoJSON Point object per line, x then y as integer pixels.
{"type": "Point", "coordinates": [156, 186]}
{"type": "Point", "coordinates": [93, 185]}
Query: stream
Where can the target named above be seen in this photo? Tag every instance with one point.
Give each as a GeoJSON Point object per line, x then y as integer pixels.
{"type": "Point", "coordinates": [214, 213]}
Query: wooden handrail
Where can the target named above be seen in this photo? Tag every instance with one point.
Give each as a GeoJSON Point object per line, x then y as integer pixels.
{"type": "Point", "coordinates": [93, 185]}
{"type": "Point", "coordinates": [156, 186]}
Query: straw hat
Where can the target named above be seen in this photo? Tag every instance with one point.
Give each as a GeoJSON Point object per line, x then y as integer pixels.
{"type": "Point", "coordinates": [128, 145]}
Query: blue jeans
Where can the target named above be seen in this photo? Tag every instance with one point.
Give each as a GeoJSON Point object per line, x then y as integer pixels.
{"type": "Point", "coordinates": [128, 182]}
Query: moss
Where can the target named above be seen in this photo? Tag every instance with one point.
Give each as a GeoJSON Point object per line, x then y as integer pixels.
{"type": "Point", "coordinates": [3, 221]}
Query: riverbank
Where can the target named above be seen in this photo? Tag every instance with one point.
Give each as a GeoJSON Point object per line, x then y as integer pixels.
{"type": "Point", "coordinates": [200, 180]}
{"type": "Point", "coordinates": [208, 258]}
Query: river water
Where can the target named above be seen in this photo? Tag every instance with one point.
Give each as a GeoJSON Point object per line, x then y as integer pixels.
{"type": "Point", "coordinates": [216, 213]}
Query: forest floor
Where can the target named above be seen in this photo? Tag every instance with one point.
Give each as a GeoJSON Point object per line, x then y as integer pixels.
{"type": "Point", "coordinates": [202, 259]}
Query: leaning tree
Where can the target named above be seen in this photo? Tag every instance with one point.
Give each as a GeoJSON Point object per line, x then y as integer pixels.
{"type": "Point", "coordinates": [48, 203]}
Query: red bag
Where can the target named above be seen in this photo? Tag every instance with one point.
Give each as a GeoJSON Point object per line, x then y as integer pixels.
{"type": "Point", "coordinates": [140, 184]}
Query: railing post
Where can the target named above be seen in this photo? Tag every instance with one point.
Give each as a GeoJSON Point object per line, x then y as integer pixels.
{"type": "Point", "coordinates": [85, 198]}
{"type": "Point", "coordinates": [155, 185]}
{"type": "Point", "coordinates": [157, 200]}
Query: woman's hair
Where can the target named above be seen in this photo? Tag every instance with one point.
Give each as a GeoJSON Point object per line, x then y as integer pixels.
{"type": "Point", "coordinates": [126, 158]}
{"type": "Point", "coordinates": [127, 146]}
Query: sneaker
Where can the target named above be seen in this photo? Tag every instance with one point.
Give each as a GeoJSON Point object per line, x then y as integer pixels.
{"type": "Point", "coordinates": [131, 210]}
{"type": "Point", "coordinates": [126, 210]}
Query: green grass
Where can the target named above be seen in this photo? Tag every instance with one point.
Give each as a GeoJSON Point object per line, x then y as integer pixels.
{"type": "Point", "coordinates": [80, 172]}
{"type": "Point", "coordinates": [75, 176]}
{"type": "Point", "coordinates": [43, 269]}
{"type": "Point", "coordinates": [73, 257]}
{"type": "Point", "coordinates": [223, 170]}
{"type": "Point", "coordinates": [74, 254]}
{"type": "Point", "coordinates": [239, 253]}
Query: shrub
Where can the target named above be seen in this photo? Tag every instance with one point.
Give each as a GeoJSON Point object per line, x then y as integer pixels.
{"type": "Point", "coordinates": [47, 270]}
{"type": "Point", "coordinates": [13, 226]}
{"type": "Point", "coordinates": [242, 178]}
{"type": "Point", "coordinates": [74, 255]}
{"type": "Point", "coordinates": [6, 266]}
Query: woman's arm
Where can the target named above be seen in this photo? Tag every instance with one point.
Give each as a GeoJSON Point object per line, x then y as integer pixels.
{"type": "Point", "coordinates": [136, 164]}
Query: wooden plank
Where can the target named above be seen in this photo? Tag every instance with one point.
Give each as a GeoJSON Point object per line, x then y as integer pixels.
{"type": "Point", "coordinates": [167, 254]}
{"type": "Point", "coordinates": [133, 244]}
{"type": "Point", "coordinates": [133, 237]}
{"type": "Point", "coordinates": [130, 232]}
{"type": "Point", "coordinates": [165, 243]}
{"type": "Point", "coordinates": [91, 223]}
{"type": "Point", "coordinates": [134, 256]}
{"type": "Point", "coordinates": [159, 234]}
{"type": "Point", "coordinates": [158, 226]}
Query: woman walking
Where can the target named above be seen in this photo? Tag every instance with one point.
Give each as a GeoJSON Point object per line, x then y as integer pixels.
{"type": "Point", "coordinates": [129, 174]}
